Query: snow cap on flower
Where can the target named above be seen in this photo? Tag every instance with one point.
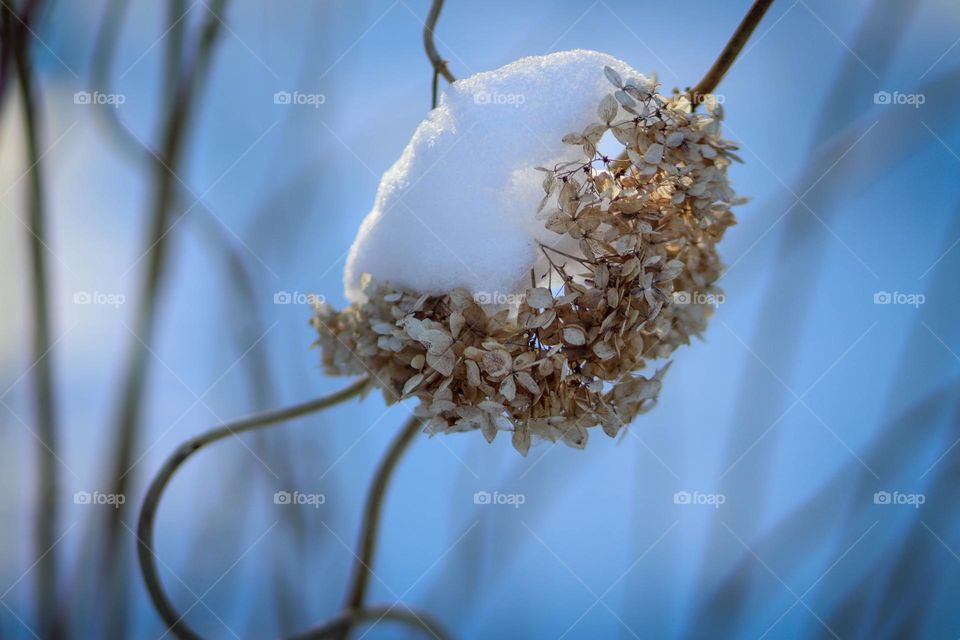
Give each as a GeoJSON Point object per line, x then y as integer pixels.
{"type": "Point", "coordinates": [627, 266]}
{"type": "Point", "coordinates": [458, 208]}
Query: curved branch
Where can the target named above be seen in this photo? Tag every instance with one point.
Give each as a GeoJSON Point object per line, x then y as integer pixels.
{"type": "Point", "coordinates": [439, 64]}
{"type": "Point", "coordinates": [350, 619]}
{"type": "Point", "coordinates": [730, 52]}
{"type": "Point", "coordinates": [371, 515]}
{"type": "Point", "coordinates": [145, 545]}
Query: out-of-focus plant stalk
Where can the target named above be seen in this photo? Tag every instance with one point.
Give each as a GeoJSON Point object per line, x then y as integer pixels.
{"type": "Point", "coordinates": [249, 331]}
{"type": "Point", "coordinates": [6, 51]}
{"type": "Point", "coordinates": [44, 395]}
{"type": "Point", "coordinates": [173, 52]}
{"type": "Point", "coordinates": [241, 277]}
{"type": "Point", "coordinates": [13, 30]}
{"type": "Point", "coordinates": [135, 369]}
{"type": "Point", "coordinates": [100, 68]}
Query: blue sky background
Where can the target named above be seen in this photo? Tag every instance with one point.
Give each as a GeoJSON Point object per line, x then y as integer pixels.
{"type": "Point", "coordinates": [803, 400]}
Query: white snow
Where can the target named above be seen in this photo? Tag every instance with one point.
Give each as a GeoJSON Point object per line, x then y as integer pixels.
{"type": "Point", "coordinates": [458, 209]}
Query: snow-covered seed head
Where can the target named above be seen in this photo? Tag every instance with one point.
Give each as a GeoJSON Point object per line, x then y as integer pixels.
{"type": "Point", "coordinates": [567, 357]}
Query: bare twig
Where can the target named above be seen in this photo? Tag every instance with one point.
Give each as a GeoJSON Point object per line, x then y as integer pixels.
{"type": "Point", "coordinates": [44, 397]}
{"type": "Point", "coordinates": [145, 548]}
{"type": "Point", "coordinates": [439, 64]}
{"type": "Point", "coordinates": [731, 51]}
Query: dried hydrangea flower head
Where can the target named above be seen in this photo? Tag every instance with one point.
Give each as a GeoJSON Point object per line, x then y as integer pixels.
{"type": "Point", "coordinates": [625, 283]}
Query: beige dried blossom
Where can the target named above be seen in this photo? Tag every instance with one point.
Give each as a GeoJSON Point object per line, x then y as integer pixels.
{"type": "Point", "coordinates": [568, 358]}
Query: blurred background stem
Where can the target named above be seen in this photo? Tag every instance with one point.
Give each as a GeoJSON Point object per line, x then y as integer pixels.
{"type": "Point", "coordinates": [248, 325]}
{"type": "Point", "coordinates": [129, 410]}
{"type": "Point", "coordinates": [18, 31]}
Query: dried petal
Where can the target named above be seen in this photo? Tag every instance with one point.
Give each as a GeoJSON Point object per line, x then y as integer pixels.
{"type": "Point", "coordinates": [654, 154]}
{"type": "Point", "coordinates": [613, 77]}
{"type": "Point", "coordinates": [574, 335]}
{"type": "Point", "coordinates": [443, 363]}
{"type": "Point", "coordinates": [412, 383]}
{"type": "Point", "coordinates": [508, 388]}
{"type": "Point", "coordinates": [527, 382]}
{"type": "Point", "coordinates": [539, 298]}
{"type": "Point", "coordinates": [496, 363]}
{"type": "Point", "coordinates": [608, 109]}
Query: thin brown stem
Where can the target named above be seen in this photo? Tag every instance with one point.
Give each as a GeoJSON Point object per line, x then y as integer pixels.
{"type": "Point", "coordinates": [439, 64]}
{"type": "Point", "coordinates": [730, 52]}
{"type": "Point", "coordinates": [145, 526]}
{"type": "Point", "coordinates": [44, 397]}
{"type": "Point", "coordinates": [434, 89]}
{"type": "Point", "coordinates": [582, 261]}
{"type": "Point", "coordinates": [720, 66]}
{"type": "Point", "coordinates": [371, 515]}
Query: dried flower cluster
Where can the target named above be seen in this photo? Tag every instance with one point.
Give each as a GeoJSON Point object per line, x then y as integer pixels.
{"type": "Point", "coordinates": [566, 359]}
